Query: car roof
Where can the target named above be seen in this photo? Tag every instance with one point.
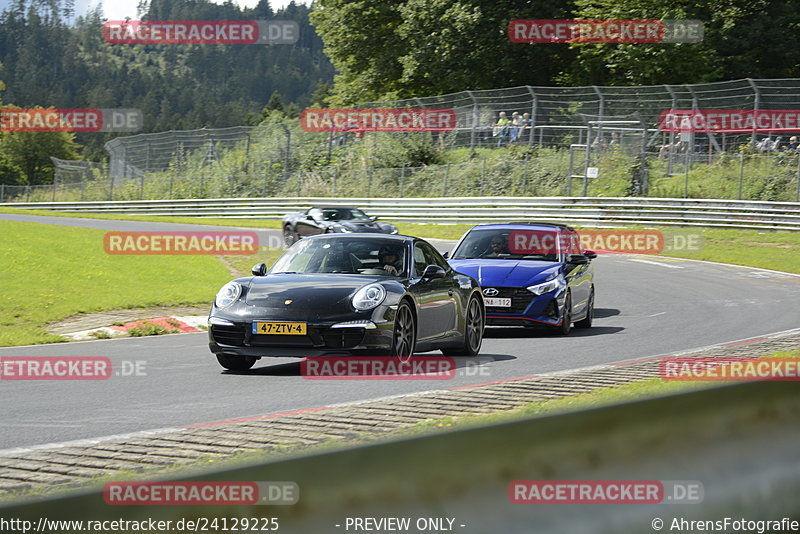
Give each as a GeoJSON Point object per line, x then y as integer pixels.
{"type": "Point", "coordinates": [526, 225]}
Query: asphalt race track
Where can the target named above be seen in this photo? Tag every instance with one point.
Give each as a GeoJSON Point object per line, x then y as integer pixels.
{"type": "Point", "coordinates": [645, 306]}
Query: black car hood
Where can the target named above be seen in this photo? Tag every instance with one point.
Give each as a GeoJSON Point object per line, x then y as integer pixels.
{"type": "Point", "coordinates": [307, 292]}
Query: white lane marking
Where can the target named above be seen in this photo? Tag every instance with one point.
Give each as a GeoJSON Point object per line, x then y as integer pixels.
{"type": "Point", "coordinates": [655, 315]}
{"type": "Point", "coordinates": [734, 265]}
{"type": "Point", "coordinates": [660, 264]}
{"type": "Point", "coordinates": [81, 443]}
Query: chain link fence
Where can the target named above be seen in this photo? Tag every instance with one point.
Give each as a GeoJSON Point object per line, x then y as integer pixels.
{"type": "Point", "coordinates": [601, 141]}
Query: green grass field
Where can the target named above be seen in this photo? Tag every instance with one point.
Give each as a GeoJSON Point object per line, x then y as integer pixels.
{"type": "Point", "coordinates": [52, 272]}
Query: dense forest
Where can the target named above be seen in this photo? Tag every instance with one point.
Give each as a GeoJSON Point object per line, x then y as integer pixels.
{"type": "Point", "coordinates": [416, 48]}
{"type": "Point", "coordinates": [47, 62]}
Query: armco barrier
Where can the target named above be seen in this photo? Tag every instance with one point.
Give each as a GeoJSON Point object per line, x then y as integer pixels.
{"type": "Point", "coordinates": [581, 211]}
{"type": "Point", "coordinates": [739, 441]}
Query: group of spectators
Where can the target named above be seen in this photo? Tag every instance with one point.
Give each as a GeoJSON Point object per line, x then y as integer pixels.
{"type": "Point", "coordinates": [768, 145]}
{"type": "Point", "coordinates": [517, 128]}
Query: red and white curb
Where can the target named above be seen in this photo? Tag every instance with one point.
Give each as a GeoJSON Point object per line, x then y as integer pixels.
{"type": "Point", "coordinates": [172, 324]}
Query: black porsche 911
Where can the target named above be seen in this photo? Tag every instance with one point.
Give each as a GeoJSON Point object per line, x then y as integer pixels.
{"type": "Point", "coordinates": [348, 294]}
{"type": "Point", "coordinates": [331, 220]}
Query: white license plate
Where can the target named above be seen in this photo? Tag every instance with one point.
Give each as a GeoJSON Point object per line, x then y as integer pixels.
{"type": "Point", "coordinates": [497, 302]}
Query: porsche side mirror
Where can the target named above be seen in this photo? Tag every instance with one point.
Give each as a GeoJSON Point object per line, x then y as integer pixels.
{"type": "Point", "coordinates": [591, 254]}
{"type": "Point", "coordinates": [309, 217]}
{"type": "Point", "coordinates": [446, 254]}
{"type": "Point", "coordinates": [374, 219]}
{"type": "Point", "coordinates": [433, 271]}
{"type": "Point", "coordinates": [577, 259]}
{"type": "Point", "coordinates": [259, 269]}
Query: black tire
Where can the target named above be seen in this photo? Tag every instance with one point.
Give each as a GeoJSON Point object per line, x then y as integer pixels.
{"type": "Point", "coordinates": [566, 316]}
{"type": "Point", "coordinates": [236, 363]}
{"type": "Point", "coordinates": [586, 322]}
{"type": "Point", "coordinates": [404, 336]}
{"type": "Point", "coordinates": [288, 236]}
{"type": "Point", "coordinates": [473, 332]}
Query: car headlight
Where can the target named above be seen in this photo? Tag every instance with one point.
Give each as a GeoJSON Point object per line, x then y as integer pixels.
{"type": "Point", "coordinates": [343, 229]}
{"type": "Point", "coordinates": [546, 287]}
{"type": "Point", "coordinates": [369, 297]}
{"type": "Point", "coordinates": [393, 229]}
{"type": "Point", "coordinates": [229, 294]}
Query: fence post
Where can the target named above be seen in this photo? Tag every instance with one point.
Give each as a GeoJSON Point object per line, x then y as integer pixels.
{"type": "Point", "coordinates": [525, 175]}
{"type": "Point", "coordinates": [756, 105]}
{"type": "Point", "coordinates": [402, 178]}
{"type": "Point", "coordinates": [588, 157]}
{"type": "Point", "coordinates": [111, 189]}
{"type": "Point", "coordinates": [475, 115]}
{"type": "Point", "coordinates": [571, 170]}
{"type": "Point", "coordinates": [483, 175]}
{"type": "Point", "coordinates": [335, 176]}
{"type": "Point", "coordinates": [534, 103]}
{"type": "Point", "coordinates": [741, 175]}
{"type": "Point", "coordinates": [686, 179]}
{"type": "Point", "coordinates": [369, 181]}
{"type": "Point", "coordinates": [2, 192]}
{"type": "Point", "coordinates": [446, 176]}
{"type": "Point", "coordinates": [28, 193]}
{"type": "Point", "coordinates": [299, 182]}
{"type": "Point", "coordinates": [170, 186]}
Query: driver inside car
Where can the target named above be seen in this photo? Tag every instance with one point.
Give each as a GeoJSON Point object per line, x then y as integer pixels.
{"type": "Point", "coordinates": [390, 261]}
{"type": "Point", "coordinates": [497, 247]}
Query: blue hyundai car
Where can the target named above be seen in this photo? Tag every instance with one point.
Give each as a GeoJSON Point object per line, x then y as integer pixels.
{"type": "Point", "coordinates": [531, 274]}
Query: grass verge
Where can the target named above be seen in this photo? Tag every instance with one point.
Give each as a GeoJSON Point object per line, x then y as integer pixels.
{"type": "Point", "coordinates": [52, 272]}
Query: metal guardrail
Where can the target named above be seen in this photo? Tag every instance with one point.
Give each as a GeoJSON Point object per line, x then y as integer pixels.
{"type": "Point", "coordinates": [739, 442]}
{"type": "Point", "coordinates": [581, 211]}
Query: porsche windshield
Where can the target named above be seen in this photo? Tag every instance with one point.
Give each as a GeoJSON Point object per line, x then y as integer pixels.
{"type": "Point", "coordinates": [494, 244]}
{"type": "Point", "coordinates": [344, 256]}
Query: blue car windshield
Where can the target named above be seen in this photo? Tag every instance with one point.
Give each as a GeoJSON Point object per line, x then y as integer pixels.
{"type": "Point", "coordinates": [344, 255]}
{"type": "Point", "coordinates": [494, 244]}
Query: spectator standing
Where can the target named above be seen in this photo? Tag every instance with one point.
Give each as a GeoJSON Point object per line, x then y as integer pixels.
{"type": "Point", "coordinates": [500, 129]}
{"type": "Point", "coordinates": [516, 126]}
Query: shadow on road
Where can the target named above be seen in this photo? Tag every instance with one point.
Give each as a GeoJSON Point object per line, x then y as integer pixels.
{"type": "Point", "coordinates": [294, 368]}
{"type": "Point", "coordinates": [600, 313]}
{"type": "Point", "coordinates": [515, 332]}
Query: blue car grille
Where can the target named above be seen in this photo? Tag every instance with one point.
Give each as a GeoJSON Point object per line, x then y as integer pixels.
{"type": "Point", "coordinates": [520, 299]}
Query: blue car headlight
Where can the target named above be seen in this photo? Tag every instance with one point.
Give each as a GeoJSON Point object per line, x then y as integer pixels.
{"type": "Point", "coordinates": [369, 297]}
{"type": "Point", "coordinates": [229, 294]}
{"type": "Point", "coordinates": [547, 287]}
